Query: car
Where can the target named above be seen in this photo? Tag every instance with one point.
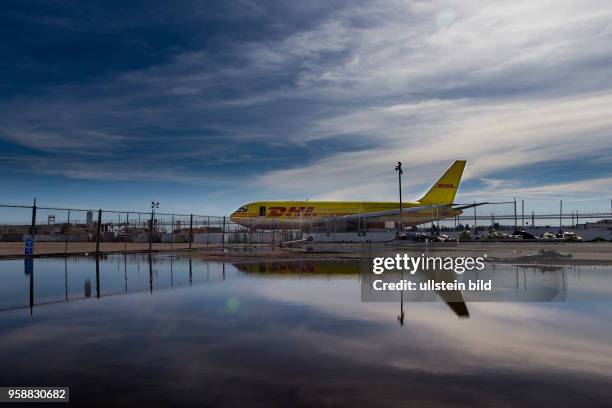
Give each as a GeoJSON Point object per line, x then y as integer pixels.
{"type": "Point", "coordinates": [422, 237]}
{"type": "Point", "coordinates": [524, 234]}
{"type": "Point", "coordinates": [572, 236]}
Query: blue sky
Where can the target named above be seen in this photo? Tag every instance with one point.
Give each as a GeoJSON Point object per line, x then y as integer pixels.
{"type": "Point", "coordinates": [203, 106]}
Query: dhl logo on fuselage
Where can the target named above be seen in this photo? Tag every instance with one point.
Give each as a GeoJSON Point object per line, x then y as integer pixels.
{"type": "Point", "coordinates": [447, 185]}
{"type": "Point", "coordinates": [291, 212]}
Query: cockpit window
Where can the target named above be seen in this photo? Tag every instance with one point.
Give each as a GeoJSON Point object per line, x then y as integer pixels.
{"type": "Point", "coordinates": [244, 208]}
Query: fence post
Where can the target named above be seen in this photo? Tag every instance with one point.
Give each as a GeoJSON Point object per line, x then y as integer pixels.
{"type": "Point", "coordinates": [172, 232]}
{"type": "Point", "coordinates": [515, 218]}
{"type": "Point", "coordinates": [98, 231]}
{"type": "Point", "coordinates": [190, 230]}
{"type": "Point", "coordinates": [251, 235]}
{"type": "Point", "coordinates": [576, 218]}
{"type": "Point", "coordinates": [33, 229]}
{"type": "Point", "coordinates": [66, 232]}
{"type": "Point", "coordinates": [223, 236]}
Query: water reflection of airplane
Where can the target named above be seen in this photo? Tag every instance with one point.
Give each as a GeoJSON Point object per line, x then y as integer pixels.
{"type": "Point", "coordinates": [210, 276]}
{"type": "Point", "coordinates": [510, 282]}
{"type": "Point", "coordinates": [306, 268]}
{"type": "Point", "coordinates": [453, 298]}
{"type": "Point", "coordinates": [301, 268]}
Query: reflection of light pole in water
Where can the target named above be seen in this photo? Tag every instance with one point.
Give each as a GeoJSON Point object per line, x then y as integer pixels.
{"type": "Point", "coordinates": [399, 170]}
{"type": "Point", "coordinates": [125, 271]}
{"type": "Point", "coordinates": [150, 274]}
{"type": "Point", "coordinates": [400, 318]}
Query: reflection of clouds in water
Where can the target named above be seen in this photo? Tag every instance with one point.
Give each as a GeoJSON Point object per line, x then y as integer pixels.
{"type": "Point", "coordinates": [310, 335]}
{"type": "Point", "coordinates": [511, 336]}
{"type": "Point", "coordinates": [446, 17]}
{"type": "Point", "coordinates": [522, 336]}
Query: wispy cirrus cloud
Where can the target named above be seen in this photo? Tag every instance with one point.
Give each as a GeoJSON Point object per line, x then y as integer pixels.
{"type": "Point", "coordinates": [320, 100]}
{"type": "Point", "coordinates": [493, 135]}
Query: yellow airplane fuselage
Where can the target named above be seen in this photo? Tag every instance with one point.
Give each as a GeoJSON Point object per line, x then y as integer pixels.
{"type": "Point", "coordinates": [302, 214]}
{"type": "Point", "coordinates": [436, 204]}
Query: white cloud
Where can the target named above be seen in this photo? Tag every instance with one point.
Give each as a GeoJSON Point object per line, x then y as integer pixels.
{"type": "Point", "coordinates": [504, 334]}
{"type": "Point", "coordinates": [501, 84]}
{"type": "Point", "coordinates": [525, 73]}
{"type": "Point", "coordinates": [492, 135]}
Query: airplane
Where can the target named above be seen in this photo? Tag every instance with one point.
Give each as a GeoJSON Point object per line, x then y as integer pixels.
{"type": "Point", "coordinates": [308, 268]}
{"type": "Point", "coordinates": [436, 204]}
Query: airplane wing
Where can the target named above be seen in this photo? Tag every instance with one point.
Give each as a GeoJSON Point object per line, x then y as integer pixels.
{"type": "Point", "coordinates": [376, 214]}
{"type": "Point", "coordinates": [453, 298]}
{"type": "Point", "coordinates": [457, 305]}
{"type": "Point", "coordinates": [464, 206]}
{"type": "Point", "coordinates": [405, 210]}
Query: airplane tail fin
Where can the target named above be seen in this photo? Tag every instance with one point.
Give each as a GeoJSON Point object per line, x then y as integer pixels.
{"type": "Point", "coordinates": [443, 192]}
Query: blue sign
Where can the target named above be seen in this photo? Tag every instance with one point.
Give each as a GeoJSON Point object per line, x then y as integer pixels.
{"type": "Point", "coordinates": [29, 246]}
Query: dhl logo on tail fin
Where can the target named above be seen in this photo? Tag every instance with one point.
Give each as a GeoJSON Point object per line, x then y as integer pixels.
{"type": "Point", "coordinates": [445, 189]}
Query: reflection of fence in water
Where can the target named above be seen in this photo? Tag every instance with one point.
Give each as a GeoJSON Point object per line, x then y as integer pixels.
{"type": "Point", "coordinates": [55, 280]}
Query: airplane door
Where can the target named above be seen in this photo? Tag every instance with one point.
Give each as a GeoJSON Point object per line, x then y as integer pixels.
{"type": "Point", "coordinates": [262, 211]}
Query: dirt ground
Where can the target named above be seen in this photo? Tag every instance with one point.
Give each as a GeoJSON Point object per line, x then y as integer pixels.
{"type": "Point", "coordinates": [597, 252]}
{"type": "Point", "coordinates": [581, 252]}
{"type": "Point", "coordinates": [12, 249]}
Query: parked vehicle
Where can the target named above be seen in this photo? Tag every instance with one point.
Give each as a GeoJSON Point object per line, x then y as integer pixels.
{"type": "Point", "coordinates": [422, 237]}
{"type": "Point", "coordinates": [550, 236]}
{"type": "Point", "coordinates": [524, 234]}
{"type": "Point", "coordinates": [571, 236]}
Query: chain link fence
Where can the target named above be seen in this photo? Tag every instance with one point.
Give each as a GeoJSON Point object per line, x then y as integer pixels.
{"type": "Point", "coordinates": [69, 230]}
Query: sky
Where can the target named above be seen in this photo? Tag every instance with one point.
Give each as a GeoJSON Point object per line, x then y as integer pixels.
{"type": "Point", "coordinates": [206, 105]}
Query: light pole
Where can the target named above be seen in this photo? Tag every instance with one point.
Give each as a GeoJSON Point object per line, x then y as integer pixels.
{"type": "Point", "coordinates": [398, 168]}
{"type": "Point", "coordinates": [154, 205]}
